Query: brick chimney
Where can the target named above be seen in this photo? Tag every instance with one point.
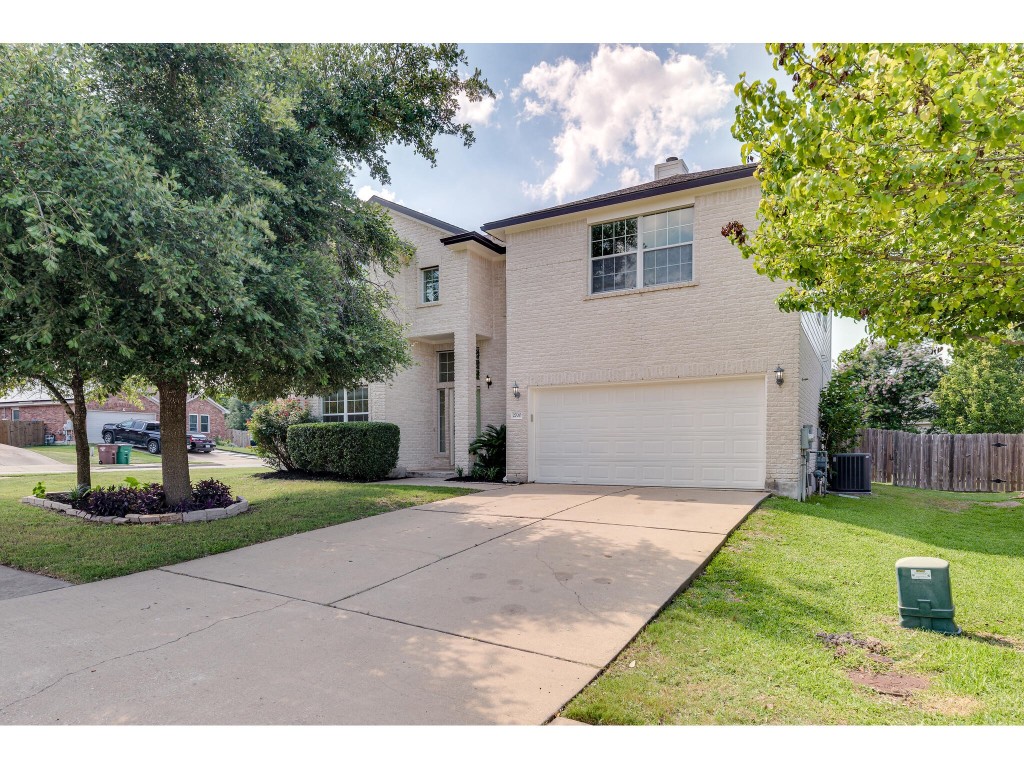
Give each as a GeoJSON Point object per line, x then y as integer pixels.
{"type": "Point", "coordinates": [671, 167]}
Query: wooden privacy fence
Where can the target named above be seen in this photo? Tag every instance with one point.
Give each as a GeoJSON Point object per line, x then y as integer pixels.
{"type": "Point", "coordinates": [239, 437]}
{"type": "Point", "coordinates": [985, 462]}
{"type": "Point", "coordinates": [22, 433]}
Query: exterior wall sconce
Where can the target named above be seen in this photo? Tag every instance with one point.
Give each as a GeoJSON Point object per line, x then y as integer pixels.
{"type": "Point", "coordinates": [487, 380]}
{"type": "Point", "coordinates": [779, 370]}
{"type": "Point", "coordinates": [515, 389]}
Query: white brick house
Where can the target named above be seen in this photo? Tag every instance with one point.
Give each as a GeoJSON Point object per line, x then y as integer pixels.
{"type": "Point", "coordinates": [642, 347]}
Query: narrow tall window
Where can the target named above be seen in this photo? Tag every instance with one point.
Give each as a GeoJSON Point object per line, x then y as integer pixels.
{"type": "Point", "coordinates": [193, 422]}
{"type": "Point", "coordinates": [15, 414]}
{"type": "Point", "coordinates": [204, 423]}
{"type": "Point", "coordinates": [431, 284]}
{"type": "Point", "coordinates": [445, 367]}
{"type": "Point", "coordinates": [442, 442]}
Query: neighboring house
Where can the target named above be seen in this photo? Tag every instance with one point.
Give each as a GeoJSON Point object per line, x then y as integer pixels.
{"type": "Point", "coordinates": [641, 348]}
{"type": "Point", "coordinates": [452, 298]}
{"type": "Point", "coordinates": [204, 414]}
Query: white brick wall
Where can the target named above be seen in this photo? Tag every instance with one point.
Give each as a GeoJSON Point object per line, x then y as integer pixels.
{"type": "Point", "coordinates": [470, 313]}
{"type": "Point", "coordinates": [726, 324]}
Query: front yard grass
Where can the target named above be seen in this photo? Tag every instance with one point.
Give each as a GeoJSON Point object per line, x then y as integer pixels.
{"type": "Point", "coordinates": [740, 645]}
{"type": "Point", "coordinates": [43, 541]}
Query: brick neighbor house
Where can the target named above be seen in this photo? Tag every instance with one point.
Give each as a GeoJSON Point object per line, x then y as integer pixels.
{"type": "Point", "coordinates": [204, 415]}
{"type": "Point", "coordinates": [621, 338]}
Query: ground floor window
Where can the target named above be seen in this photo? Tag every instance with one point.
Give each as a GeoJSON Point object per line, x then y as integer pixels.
{"type": "Point", "coordinates": [348, 405]}
{"type": "Point", "coordinates": [15, 414]}
{"type": "Point", "coordinates": [479, 420]}
{"type": "Point", "coordinates": [198, 422]}
{"type": "Point", "coordinates": [442, 442]}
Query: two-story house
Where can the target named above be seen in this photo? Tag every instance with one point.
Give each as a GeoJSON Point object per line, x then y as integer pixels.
{"type": "Point", "coordinates": [621, 338]}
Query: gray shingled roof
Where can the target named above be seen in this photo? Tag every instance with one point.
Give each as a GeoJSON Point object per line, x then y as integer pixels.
{"type": "Point", "coordinates": [674, 183]}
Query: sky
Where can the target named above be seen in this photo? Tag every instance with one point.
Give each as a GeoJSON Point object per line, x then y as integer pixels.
{"type": "Point", "coordinates": [572, 120]}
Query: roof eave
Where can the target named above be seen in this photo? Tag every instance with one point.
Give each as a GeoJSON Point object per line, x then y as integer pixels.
{"type": "Point", "coordinates": [625, 197]}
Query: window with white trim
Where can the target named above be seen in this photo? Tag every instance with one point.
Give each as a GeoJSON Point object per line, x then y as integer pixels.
{"type": "Point", "coordinates": [199, 422]}
{"type": "Point", "coordinates": [15, 414]}
{"type": "Point", "coordinates": [659, 246]}
{"type": "Point", "coordinates": [431, 284]}
{"type": "Point", "coordinates": [348, 405]}
{"type": "Point", "coordinates": [445, 367]}
{"type": "Point", "coordinates": [193, 422]}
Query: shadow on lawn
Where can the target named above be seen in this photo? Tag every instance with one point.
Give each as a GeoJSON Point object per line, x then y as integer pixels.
{"type": "Point", "coordinates": [943, 520]}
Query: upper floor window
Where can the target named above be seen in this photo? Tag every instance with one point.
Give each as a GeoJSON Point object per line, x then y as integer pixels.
{"type": "Point", "coordinates": [445, 367]}
{"type": "Point", "coordinates": [431, 284]}
{"type": "Point", "coordinates": [348, 405]}
{"type": "Point", "coordinates": [658, 246]}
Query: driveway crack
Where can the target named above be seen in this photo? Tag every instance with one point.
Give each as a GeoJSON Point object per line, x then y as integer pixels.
{"type": "Point", "coordinates": [563, 584]}
{"type": "Point", "coordinates": [66, 675]}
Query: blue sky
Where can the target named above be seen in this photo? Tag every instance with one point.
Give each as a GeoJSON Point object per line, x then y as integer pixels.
{"type": "Point", "coordinates": [574, 120]}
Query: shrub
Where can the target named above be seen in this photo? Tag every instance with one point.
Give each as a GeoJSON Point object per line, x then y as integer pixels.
{"type": "Point", "coordinates": [269, 428]}
{"type": "Point", "coordinates": [358, 450]}
{"type": "Point", "coordinates": [139, 499]}
{"type": "Point", "coordinates": [489, 449]}
{"type": "Point", "coordinates": [841, 414]}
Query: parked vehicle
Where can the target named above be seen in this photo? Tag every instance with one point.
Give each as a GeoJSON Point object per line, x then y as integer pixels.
{"type": "Point", "coordinates": [199, 442]}
{"type": "Point", "coordinates": [145, 434]}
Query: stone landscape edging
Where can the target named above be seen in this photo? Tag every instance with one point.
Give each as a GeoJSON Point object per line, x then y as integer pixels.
{"type": "Point", "coordinates": [195, 516]}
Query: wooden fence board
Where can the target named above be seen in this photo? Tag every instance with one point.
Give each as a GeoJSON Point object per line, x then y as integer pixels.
{"type": "Point", "coordinates": [985, 462]}
{"type": "Point", "coordinates": [22, 433]}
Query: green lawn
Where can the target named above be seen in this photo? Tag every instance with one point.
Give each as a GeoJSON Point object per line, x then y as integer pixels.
{"type": "Point", "coordinates": [66, 454]}
{"type": "Point", "coordinates": [42, 541]}
{"type": "Point", "coordinates": [236, 448]}
{"type": "Point", "coordinates": [739, 646]}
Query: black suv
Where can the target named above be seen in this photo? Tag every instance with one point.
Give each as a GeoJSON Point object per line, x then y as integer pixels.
{"type": "Point", "coordinates": [135, 431]}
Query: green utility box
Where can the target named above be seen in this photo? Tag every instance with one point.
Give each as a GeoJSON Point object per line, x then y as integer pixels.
{"type": "Point", "coordinates": [925, 597]}
{"type": "Point", "coordinates": [124, 454]}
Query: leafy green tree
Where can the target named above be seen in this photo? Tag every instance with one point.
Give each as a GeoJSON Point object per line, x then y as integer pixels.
{"type": "Point", "coordinates": [896, 382]}
{"type": "Point", "coordinates": [982, 392]}
{"type": "Point", "coordinates": [254, 256]}
{"type": "Point", "coordinates": [841, 413]}
{"type": "Point", "coordinates": [892, 183]}
{"type": "Point", "coordinates": [239, 412]}
{"type": "Point", "coordinates": [78, 202]}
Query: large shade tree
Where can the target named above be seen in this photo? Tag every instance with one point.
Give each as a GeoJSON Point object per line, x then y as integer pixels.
{"type": "Point", "coordinates": [982, 392]}
{"type": "Point", "coordinates": [79, 203]}
{"type": "Point", "coordinates": [892, 182]}
{"type": "Point", "coordinates": [258, 276]}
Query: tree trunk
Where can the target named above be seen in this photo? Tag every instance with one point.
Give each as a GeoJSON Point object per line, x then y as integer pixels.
{"type": "Point", "coordinates": [76, 414]}
{"type": "Point", "coordinates": [173, 444]}
{"type": "Point", "coordinates": [81, 437]}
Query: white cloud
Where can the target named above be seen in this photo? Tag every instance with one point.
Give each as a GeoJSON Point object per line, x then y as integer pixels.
{"type": "Point", "coordinates": [717, 50]}
{"type": "Point", "coordinates": [365, 192]}
{"type": "Point", "coordinates": [477, 113]}
{"type": "Point", "coordinates": [629, 177]}
{"type": "Point", "coordinates": [625, 105]}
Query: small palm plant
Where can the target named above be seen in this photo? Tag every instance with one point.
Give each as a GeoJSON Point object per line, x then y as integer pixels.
{"type": "Point", "coordinates": [489, 449]}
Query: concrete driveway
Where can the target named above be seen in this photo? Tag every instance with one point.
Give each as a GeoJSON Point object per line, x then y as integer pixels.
{"type": "Point", "coordinates": [491, 608]}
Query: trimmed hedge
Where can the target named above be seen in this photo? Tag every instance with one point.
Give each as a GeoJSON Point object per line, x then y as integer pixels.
{"type": "Point", "coordinates": [363, 451]}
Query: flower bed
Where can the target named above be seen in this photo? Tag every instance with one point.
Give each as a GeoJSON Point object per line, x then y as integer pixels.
{"type": "Point", "coordinates": [133, 502]}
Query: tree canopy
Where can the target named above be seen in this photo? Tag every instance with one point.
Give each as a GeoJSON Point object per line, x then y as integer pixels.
{"type": "Point", "coordinates": [896, 383]}
{"type": "Point", "coordinates": [892, 185]}
{"type": "Point", "coordinates": [243, 258]}
{"type": "Point", "coordinates": [983, 391]}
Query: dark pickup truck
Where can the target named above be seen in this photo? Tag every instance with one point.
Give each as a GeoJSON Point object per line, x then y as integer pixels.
{"type": "Point", "coordinates": [145, 434]}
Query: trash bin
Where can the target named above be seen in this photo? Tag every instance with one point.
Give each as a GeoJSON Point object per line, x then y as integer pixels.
{"type": "Point", "coordinates": [124, 454]}
{"type": "Point", "coordinates": [107, 453]}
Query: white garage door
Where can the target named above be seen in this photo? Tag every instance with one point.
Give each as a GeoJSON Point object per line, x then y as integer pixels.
{"type": "Point", "coordinates": [708, 433]}
{"type": "Point", "coordinates": [94, 421]}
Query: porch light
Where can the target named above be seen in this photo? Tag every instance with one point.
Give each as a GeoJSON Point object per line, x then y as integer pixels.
{"type": "Point", "coordinates": [515, 389]}
{"type": "Point", "coordinates": [487, 380]}
{"type": "Point", "coordinates": [779, 370]}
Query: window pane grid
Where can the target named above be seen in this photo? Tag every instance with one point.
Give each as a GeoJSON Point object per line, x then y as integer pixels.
{"type": "Point", "coordinates": [445, 367]}
{"type": "Point", "coordinates": [664, 251]}
{"type": "Point", "coordinates": [348, 405]}
{"type": "Point", "coordinates": [431, 285]}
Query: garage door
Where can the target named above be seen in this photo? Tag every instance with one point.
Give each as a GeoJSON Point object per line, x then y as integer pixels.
{"type": "Point", "coordinates": [708, 433]}
{"type": "Point", "coordinates": [94, 421]}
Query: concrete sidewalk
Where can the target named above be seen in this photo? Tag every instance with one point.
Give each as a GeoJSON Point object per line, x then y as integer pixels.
{"type": "Point", "coordinates": [491, 608]}
{"type": "Point", "coordinates": [216, 459]}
